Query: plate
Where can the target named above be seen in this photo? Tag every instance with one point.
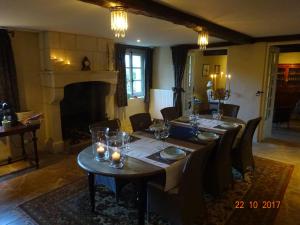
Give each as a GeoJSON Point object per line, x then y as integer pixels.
{"type": "Point", "coordinates": [207, 136]}
{"type": "Point", "coordinates": [172, 153]}
{"type": "Point", "coordinates": [228, 125]}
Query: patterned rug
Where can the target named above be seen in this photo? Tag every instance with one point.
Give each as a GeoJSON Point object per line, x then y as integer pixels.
{"type": "Point", "coordinates": [69, 205]}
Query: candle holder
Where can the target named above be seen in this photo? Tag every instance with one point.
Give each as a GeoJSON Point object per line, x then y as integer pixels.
{"type": "Point", "coordinates": [116, 155]}
{"type": "Point", "coordinates": [100, 150]}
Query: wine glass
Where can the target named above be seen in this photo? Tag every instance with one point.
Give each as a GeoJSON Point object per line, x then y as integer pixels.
{"type": "Point", "coordinates": [162, 134]}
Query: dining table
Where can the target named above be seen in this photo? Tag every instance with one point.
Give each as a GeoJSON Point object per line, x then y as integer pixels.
{"type": "Point", "coordinates": [142, 163]}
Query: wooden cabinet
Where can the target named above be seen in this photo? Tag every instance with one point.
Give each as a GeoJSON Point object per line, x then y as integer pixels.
{"type": "Point", "coordinates": [287, 91]}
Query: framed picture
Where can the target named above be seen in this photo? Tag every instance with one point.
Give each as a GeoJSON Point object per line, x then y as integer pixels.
{"type": "Point", "coordinates": [217, 69]}
{"type": "Point", "coordinates": [205, 70]}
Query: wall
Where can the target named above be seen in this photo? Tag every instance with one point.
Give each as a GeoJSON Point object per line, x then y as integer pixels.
{"type": "Point", "coordinates": [289, 58]}
{"type": "Point", "coordinates": [247, 63]}
{"type": "Point", "coordinates": [27, 59]}
{"type": "Point", "coordinates": [163, 71]}
{"type": "Point", "coordinates": [200, 81]}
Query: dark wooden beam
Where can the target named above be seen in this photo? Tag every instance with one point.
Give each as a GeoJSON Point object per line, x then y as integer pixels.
{"type": "Point", "coordinates": [215, 52]}
{"type": "Point", "coordinates": [292, 37]}
{"type": "Point", "coordinates": [289, 48]}
{"type": "Point", "coordinates": [155, 9]}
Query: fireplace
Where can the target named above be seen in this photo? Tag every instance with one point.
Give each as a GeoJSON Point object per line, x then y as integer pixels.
{"type": "Point", "coordinates": [83, 104]}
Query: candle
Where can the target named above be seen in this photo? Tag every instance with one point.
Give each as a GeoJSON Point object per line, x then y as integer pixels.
{"type": "Point", "coordinates": [100, 150]}
{"type": "Point", "coordinates": [229, 77]}
{"type": "Point", "coordinates": [116, 156]}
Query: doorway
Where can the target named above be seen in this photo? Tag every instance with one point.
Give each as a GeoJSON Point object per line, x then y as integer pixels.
{"type": "Point", "coordinates": [285, 116]}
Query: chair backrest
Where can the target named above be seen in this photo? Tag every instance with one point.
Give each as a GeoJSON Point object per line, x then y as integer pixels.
{"type": "Point", "coordinates": [140, 121]}
{"type": "Point", "coordinates": [113, 125]}
{"type": "Point", "coordinates": [230, 110]}
{"type": "Point", "coordinates": [218, 174]}
{"type": "Point", "coordinates": [243, 151]}
{"type": "Point", "coordinates": [169, 113]}
{"type": "Point", "coordinates": [191, 184]}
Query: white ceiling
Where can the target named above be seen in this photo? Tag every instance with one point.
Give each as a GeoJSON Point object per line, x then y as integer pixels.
{"type": "Point", "coordinates": [256, 18]}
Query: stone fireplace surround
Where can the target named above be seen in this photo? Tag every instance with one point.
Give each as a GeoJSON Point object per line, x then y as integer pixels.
{"type": "Point", "coordinates": [55, 77]}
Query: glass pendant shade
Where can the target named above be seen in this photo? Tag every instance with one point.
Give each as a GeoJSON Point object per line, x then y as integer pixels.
{"type": "Point", "coordinates": [203, 39]}
{"type": "Point", "coordinates": [119, 22]}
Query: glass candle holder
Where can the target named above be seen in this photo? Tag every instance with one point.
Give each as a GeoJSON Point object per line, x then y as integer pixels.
{"type": "Point", "coordinates": [100, 149]}
{"type": "Point", "coordinates": [116, 157]}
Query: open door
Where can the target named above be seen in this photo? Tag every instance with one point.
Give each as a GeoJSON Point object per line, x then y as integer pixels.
{"type": "Point", "coordinates": [270, 91]}
{"type": "Point", "coordinates": [187, 85]}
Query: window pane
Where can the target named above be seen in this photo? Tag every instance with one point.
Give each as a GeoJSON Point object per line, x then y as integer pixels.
{"type": "Point", "coordinates": [136, 61]}
{"type": "Point", "coordinates": [129, 91]}
{"type": "Point", "coordinates": [127, 62]}
{"type": "Point", "coordinates": [136, 74]}
{"type": "Point", "coordinates": [128, 77]}
{"type": "Point", "coordinates": [137, 87]}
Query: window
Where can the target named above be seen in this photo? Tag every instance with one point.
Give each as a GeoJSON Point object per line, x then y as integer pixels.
{"type": "Point", "coordinates": [135, 73]}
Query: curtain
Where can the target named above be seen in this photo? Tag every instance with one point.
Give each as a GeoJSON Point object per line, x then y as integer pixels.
{"type": "Point", "coordinates": [121, 92]}
{"type": "Point", "coordinates": [8, 75]}
{"type": "Point", "coordinates": [148, 73]}
{"type": "Point", "coordinates": [179, 56]}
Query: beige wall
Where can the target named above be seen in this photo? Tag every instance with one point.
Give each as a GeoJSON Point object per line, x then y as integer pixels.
{"type": "Point", "coordinates": [200, 81]}
{"type": "Point", "coordinates": [247, 63]}
{"type": "Point", "coordinates": [26, 53]}
{"type": "Point", "coordinates": [163, 71]}
{"type": "Point", "coordinates": [289, 58]}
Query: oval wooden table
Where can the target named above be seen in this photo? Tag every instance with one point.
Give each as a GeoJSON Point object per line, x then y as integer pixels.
{"type": "Point", "coordinates": [133, 169]}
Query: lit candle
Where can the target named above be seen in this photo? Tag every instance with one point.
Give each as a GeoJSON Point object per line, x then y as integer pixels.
{"type": "Point", "coordinates": [100, 150]}
{"type": "Point", "coordinates": [116, 156]}
{"type": "Point", "coordinates": [229, 77]}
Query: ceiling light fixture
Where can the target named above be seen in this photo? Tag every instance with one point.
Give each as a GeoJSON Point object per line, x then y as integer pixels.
{"type": "Point", "coordinates": [202, 39]}
{"type": "Point", "coordinates": [138, 40]}
{"type": "Point", "coordinates": [119, 23]}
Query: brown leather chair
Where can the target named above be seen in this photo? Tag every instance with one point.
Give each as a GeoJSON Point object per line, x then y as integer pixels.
{"type": "Point", "coordinates": [184, 204]}
{"type": "Point", "coordinates": [140, 121]}
{"type": "Point", "coordinates": [242, 156]}
{"type": "Point", "coordinates": [169, 113]}
{"type": "Point", "coordinates": [230, 110]}
{"type": "Point", "coordinates": [218, 174]}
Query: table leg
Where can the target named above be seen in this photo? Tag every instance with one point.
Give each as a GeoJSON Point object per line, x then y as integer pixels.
{"type": "Point", "coordinates": [91, 177]}
{"type": "Point", "coordinates": [142, 201]}
{"type": "Point", "coordinates": [36, 156]}
{"type": "Point", "coordinates": [23, 146]}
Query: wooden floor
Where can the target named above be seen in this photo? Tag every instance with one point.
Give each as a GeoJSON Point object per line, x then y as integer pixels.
{"type": "Point", "coordinates": [60, 169]}
{"type": "Point", "coordinates": [55, 171]}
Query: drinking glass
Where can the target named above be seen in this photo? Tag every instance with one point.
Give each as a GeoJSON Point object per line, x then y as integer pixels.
{"type": "Point", "coordinates": [162, 134]}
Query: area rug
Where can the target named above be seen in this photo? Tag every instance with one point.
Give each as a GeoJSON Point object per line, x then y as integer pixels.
{"type": "Point", "coordinates": [243, 204]}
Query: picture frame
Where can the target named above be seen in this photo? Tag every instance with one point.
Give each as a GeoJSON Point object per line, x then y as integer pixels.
{"type": "Point", "coordinates": [205, 70]}
{"type": "Point", "coordinates": [217, 69]}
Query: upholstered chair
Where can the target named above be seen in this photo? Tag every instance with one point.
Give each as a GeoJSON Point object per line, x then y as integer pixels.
{"type": "Point", "coordinates": [140, 121]}
{"type": "Point", "coordinates": [169, 113]}
{"type": "Point", "coordinates": [230, 110]}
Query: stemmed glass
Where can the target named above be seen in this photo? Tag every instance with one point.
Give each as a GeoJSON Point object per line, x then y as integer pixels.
{"type": "Point", "coordinates": [162, 133]}
{"type": "Point", "coordinates": [194, 124]}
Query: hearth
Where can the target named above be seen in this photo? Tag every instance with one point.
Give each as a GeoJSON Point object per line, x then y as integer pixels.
{"type": "Point", "coordinates": [83, 104]}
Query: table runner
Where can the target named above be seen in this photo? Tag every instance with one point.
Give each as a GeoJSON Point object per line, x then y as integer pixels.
{"type": "Point", "coordinates": [145, 147]}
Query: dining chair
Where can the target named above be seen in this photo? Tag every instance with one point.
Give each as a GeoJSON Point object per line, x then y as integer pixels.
{"type": "Point", "coordinates": [169, 113]}
{"type": "Point", "coordinates": [218, 174]}
{"type": "Point", "coordinates": [114, 184]}
{"type": "Point", "coordinates": [230, 110]}
{"type": "Point", "coordinates": [242, 156]}
{"type": "Point", "coordinates": [184, 204]}
{"type": "Point", "coordinates": [140, 121]}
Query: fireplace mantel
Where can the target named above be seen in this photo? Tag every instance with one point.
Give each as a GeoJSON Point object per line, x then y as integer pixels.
{"type": "Point", "coordinates": [55, 79]}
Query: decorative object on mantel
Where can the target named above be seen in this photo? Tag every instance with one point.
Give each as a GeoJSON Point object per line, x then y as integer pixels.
{"type": "Point", "coordinates": [119, 24]}
{"type": "Point", "coordinates": [86, 64]}
{"type": "Point", "coordinates": [60, 60]}
{"type": "Point", "coordinates": [219, 92]}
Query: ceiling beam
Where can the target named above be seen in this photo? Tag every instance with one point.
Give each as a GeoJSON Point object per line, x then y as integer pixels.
{"type": "Point", "coordinates": [155, 9]}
